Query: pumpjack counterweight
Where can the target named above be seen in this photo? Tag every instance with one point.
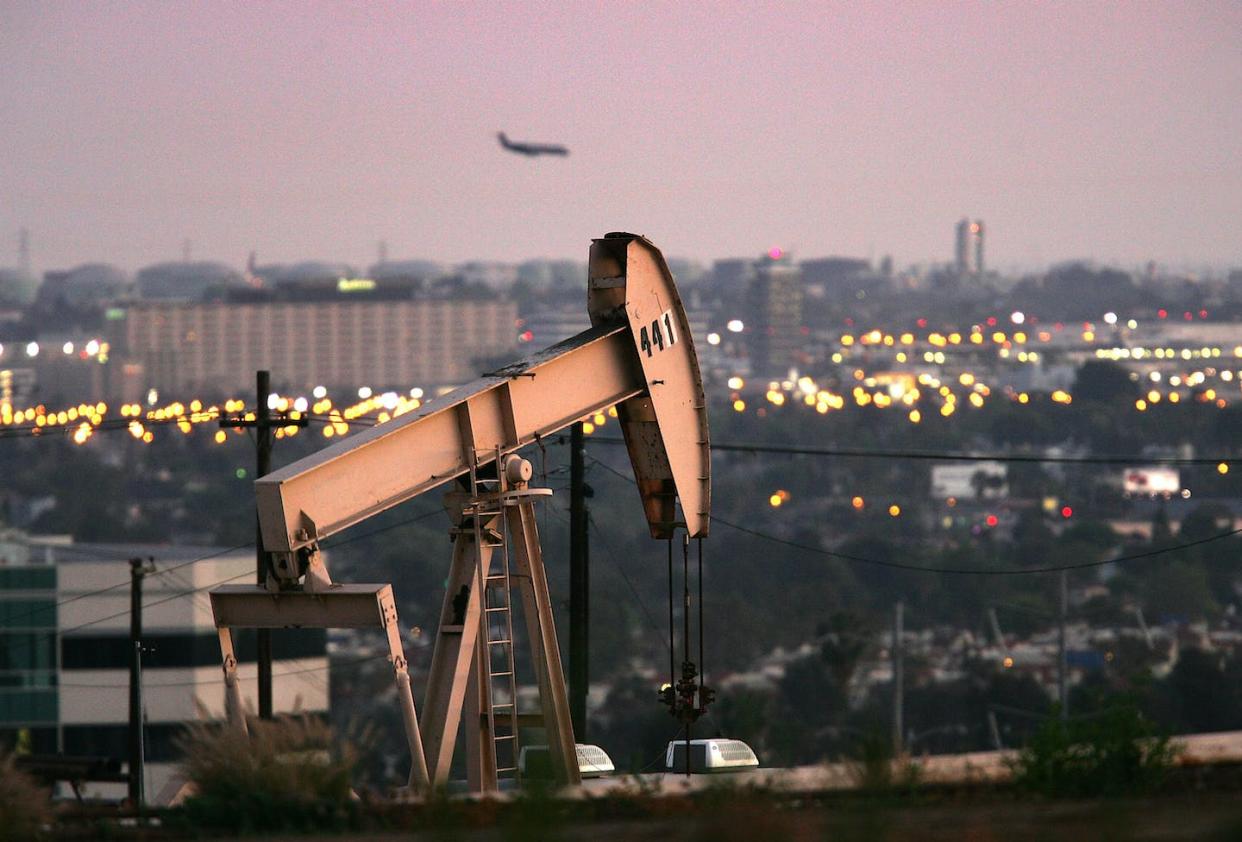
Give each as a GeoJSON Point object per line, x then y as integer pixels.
{"type": "Point", "coordinates": [639, 357]}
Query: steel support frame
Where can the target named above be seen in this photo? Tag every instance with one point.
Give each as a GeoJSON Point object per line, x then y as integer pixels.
{"type": "Point", "coordinates": [346, 606]}
{"type": "Point", "coordinates": [458, 685]}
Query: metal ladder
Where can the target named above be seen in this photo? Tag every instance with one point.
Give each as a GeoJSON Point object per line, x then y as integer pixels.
{"type": "Point", "coordinates": [496, 619]}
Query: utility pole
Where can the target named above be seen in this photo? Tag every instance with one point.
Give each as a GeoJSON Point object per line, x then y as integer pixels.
{"type": "Point", "coordinates": [263, 422]}
{"type": "Point", "coordinates": [994, 731]}
{"type": "Point", "coordinates": [898, 678]}
{"type": "Point", "coordinates": [1062, 656]}
{"type": "Point", "coordinates": [137, 571]}
{"type": "Point", "coordinates": [263, 467]}
{"type": "Point", "coordinates": [579, 583]}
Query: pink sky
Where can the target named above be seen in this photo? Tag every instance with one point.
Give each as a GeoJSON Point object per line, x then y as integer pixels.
{"type": "Point", "coordinates": [1111, 131]}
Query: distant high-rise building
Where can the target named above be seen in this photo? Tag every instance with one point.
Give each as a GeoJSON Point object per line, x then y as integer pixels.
{"type": "Point", "coordinates": [968, 255]}
{"type": "Point", "coordinates": [775, 318]}
{"type": "Point", "coordinates": [23, 252]}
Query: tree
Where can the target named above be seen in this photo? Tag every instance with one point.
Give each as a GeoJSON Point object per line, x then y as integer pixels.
{"type": "Point", "coordinates": [1104, 382]}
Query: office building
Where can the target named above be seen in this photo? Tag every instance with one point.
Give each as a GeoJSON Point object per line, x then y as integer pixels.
{"type": "Point", "coordinates": [65, 647]}
{"type": "Point", "coordinates": [309, 337]}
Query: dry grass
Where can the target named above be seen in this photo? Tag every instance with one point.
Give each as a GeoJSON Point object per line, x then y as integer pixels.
{"type": "Point", "coordinates": [25, 807]}
{"type": "Point", "coordinates": [287, 774]}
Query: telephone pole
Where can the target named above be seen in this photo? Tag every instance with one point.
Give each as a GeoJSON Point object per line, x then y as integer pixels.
{"type": "Point", "coordinates": [137, 571]}
{"type": "Point", "coordinates": [899, 689]}
{"type": "Point", "coordinates": [263, 422]}
{"type": "Point", "coordinates": [579, 583]}
{"type": "Point", "coordinates": [1062, 655]}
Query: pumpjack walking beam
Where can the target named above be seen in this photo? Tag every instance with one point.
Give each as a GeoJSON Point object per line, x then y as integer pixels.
{"type": "Point", "coordinates": [638, 356]}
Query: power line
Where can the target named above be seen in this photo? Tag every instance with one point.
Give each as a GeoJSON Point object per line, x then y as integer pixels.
{"type": "Point", "coordinates": [118, 585]}
{"type": "Point", "coordinates": [950, 456]}
{"type": "Point", "coordinates": [964, 571]}
{"type": "Point", "coordinates": [146, 605]}
{"type": "Point", "coordinates": [651, 622]}
{"type": "Point", "coordinates": [148, 685]}
{"type": "Point", "coordinates": [209, 556]}
{"type": "Point", "coordinates": [383, 529]}
{"type": "Point", "coordinates": [969, 571]}
{"type": "Point", "coordinates": [193, 590]}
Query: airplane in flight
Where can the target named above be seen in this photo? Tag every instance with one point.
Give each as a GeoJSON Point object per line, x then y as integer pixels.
{"type": "Point", "coordinates": [530, 149]}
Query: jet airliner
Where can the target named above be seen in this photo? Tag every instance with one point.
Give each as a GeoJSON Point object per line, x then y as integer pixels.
{"type": "Point", "coordinates": [530, 149]}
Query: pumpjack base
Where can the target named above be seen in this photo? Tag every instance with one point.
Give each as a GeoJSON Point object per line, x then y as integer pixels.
{"type": "Point", "coordinates": [337, 607]}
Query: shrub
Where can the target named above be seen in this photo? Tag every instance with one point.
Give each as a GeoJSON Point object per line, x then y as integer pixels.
{"type": "Point", "coordinates": [288, 774]}
{"type": "Point", "coordinates": [25, 808]}
{"type": "Point", "coordinates": [875, 768]}
{"type": "Point", "coordinates": [1114, 754]}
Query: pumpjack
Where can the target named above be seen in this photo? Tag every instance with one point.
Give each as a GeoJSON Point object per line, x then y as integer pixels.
{"type": "Point", "coordinates": [638, 356]}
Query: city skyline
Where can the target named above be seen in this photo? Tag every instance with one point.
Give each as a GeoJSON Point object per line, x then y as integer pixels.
{"type": "Point", "coordinates": [1108, 133]}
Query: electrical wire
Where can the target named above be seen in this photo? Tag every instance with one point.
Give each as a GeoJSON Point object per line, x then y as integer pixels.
{"type": "Point", "coordinates": [118, 585]}
{"type": "Point", "coordinates": [651, 621]}
{"type": "Point", "coordinates": [972, 571]}
{"type": "Point", "coordinates": [192, 590]}
{"type": "Point", "coordinates": [220, 680]}
{"type": "Point", "coordinates": [950, 456]}
{"type": "Point", "coordinates": [963, 571]}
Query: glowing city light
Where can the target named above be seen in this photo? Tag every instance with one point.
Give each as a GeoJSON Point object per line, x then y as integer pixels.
{"type": "Point", "coordinates": [735, 326]}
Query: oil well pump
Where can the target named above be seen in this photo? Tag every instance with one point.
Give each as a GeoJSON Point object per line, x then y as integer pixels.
{"type": "Point", "coordinates": [638, 356]}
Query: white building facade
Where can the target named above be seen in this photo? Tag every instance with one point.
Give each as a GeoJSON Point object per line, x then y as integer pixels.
{"type": "Point", "coordinates": [65, 687]}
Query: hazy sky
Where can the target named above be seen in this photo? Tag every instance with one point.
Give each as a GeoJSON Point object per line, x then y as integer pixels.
{"type": "Point", "coordinates": [307, 130]}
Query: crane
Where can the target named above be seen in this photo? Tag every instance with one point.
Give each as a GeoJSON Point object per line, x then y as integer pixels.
{"type": "Point", "coordinates": [638, 356]}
